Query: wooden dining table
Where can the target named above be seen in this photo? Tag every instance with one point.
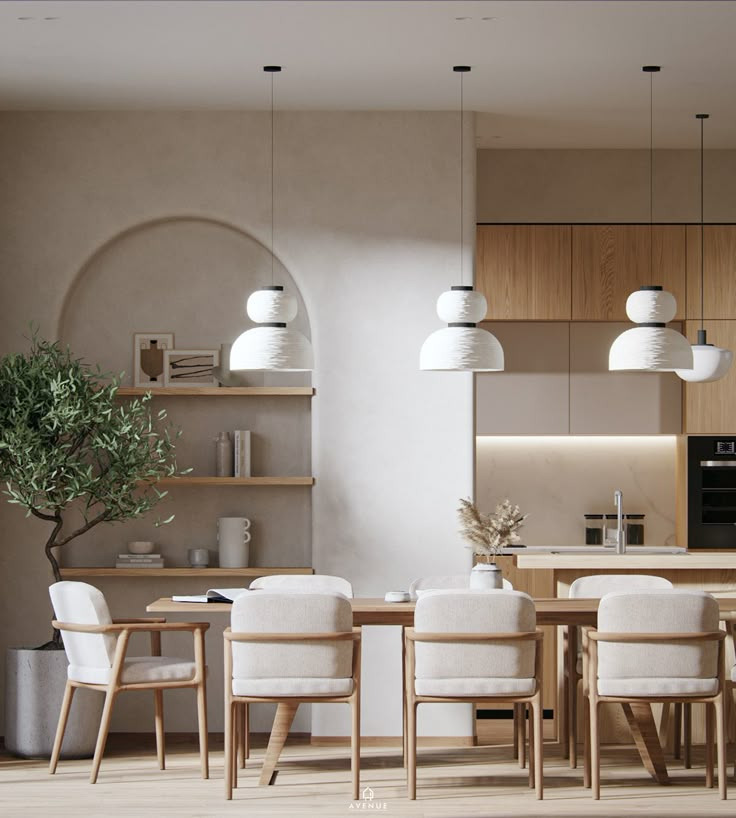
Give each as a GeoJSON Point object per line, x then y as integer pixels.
{"type": "Point", "coordinates": [550, 611]}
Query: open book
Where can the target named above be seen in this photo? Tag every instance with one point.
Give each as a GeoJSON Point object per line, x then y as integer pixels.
{"type": "Point", "coordinates": [213, 595]}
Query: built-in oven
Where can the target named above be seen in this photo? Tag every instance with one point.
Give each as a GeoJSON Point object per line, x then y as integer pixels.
{"type": "Point", "coordinates": [711, 492]}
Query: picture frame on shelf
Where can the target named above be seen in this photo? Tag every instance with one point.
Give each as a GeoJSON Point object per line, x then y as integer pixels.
{"type": "Point", "coordinates": [190, 367]}
{"type": "Point", "coordinates": [148, 357]}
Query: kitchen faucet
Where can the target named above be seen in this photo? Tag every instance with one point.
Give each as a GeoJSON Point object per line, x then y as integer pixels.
{"type": "Point", "coordinates": [618, 499]}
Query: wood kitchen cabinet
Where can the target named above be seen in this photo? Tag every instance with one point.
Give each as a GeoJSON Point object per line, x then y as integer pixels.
{"type": "Point", "coordinates": [524, 271]}
{"type": "Point", "coordinates": [609, 261]}
{"type": "Point", "coordinates": [719, 266]}
{"type": "Point", "coordinates": [710, 408]}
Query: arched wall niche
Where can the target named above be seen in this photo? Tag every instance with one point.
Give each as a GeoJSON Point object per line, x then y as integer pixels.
{"type": "Point", "coordinates": [188, 275]}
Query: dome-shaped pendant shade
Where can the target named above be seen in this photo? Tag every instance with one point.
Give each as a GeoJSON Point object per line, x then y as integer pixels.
{"type": "Point", "coordinates": [272, 346]}
{"type": "Point", "coordinates": [651, 347]}
{"type": "Point", "coordinates": [461, 346]}
{"type": "Point", "coordinates": [710, 363]}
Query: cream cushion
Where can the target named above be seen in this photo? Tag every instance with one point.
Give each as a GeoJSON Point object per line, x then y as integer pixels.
{"type": "Point", "coordinates": [656, 669]}
{"type": "Point", "coordinates": [598, 585]}
{"type": "Point", "coordinates": [81, 604]}
{"type": "Point", "coordinates": [137, 669]}
{"type": "Point", "coordinates": [298, 668]}
{"type": "Point", "coordinates": [454, 582]}
{"type": "Point", "coordinates": [303, 583]}
{"type": "Point", "coordinates": [464, 669]}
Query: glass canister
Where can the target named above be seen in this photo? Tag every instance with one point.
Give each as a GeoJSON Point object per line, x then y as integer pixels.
{"type": "Point", "coordinates": [593, 529]}
{"type": "Point", "coordinates": [610, 528]}
{"type": "Point", "coordinates": [635, 529]}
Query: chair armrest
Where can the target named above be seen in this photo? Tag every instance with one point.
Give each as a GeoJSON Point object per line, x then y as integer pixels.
{"type": "Point", "coordinates": [135, 627]}
{"type": "Point", "coordinates": [354, 636]}
{"type": "Point", "coordinates": [522, 636]}
{"type": "Point", "coordinates": [704, 636]}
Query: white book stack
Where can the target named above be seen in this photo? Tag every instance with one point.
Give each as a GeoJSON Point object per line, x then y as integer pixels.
{"type": "Point", "coordinates": [241, 444]}
{"type": "Point", "coordinates": [139, 561]}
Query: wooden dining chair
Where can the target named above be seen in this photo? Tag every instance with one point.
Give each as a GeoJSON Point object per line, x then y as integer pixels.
{"type": "Point", "coordinates": [460, 582]}
{"type": "Point", "coordinates": [286, 583]}
{"type": "Point", "coordinates": [97, 648]}
{"type": "Point", "coordinates": [592, 587]}
{"type": "Point", "coordinates": [287, 649]}
{"type": "Point", "coordinates": [656, 646]}
{"type": "Point", "coordinates": [478, 647]}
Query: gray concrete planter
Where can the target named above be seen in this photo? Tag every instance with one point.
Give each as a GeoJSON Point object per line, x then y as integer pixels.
{"type": "Point", "coordinates": [34, 688]}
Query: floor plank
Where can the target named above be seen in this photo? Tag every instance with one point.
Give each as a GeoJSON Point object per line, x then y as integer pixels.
{"type": "Point", "coordinates": [315, 781]}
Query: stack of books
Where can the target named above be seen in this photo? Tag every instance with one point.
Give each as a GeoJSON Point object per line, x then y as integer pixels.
{"type": "Point", "coordinates": [139, 561]}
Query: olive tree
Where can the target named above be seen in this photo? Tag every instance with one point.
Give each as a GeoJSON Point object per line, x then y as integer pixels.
{"type": "Point", "coordinates": [70, 452]}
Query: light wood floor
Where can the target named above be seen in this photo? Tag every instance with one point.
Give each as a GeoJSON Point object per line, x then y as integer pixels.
{"type": "Point", "coordinates": [315, 781]}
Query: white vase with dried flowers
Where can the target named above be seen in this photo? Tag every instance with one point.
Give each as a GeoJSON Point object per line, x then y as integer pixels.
{"type": "Point", "coordinates": [488, 535]}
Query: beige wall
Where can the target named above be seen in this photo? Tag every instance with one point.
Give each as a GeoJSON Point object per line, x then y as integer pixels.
{"type": "Point", "coordinates": [521, 186]}
{"type": "Point", "coordinates": [366, 226]}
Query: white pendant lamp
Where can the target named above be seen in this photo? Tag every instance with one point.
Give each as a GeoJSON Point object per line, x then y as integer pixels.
{"type": "Point", "coordinates": [651, 346]}
{"type": "Point", "coordinates": [710, 363]}
{"type": "Point", "coordinates": [461, 346]}
{"type": "Point", "coordinates": [271, 346]}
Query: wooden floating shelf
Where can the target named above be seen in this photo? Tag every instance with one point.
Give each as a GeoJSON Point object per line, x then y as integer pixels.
{"type": "Point", "coordinates": [218, 392]}
{"type": "Point", "coordinates": [236, 481]}
{"type": "Point", "coordinates": [71, 573]}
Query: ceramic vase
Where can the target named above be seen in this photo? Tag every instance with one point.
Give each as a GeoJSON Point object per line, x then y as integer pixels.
{"type": "Point", "coordinates": [233, 541]}
{"type": "Point", "coordinates": [486, 577]}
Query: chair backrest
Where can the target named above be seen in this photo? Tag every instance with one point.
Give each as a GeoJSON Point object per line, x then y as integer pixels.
{"type": "Point", "coordinates": [486, 612]}
{"type": "Point", "coordinates": [598, 585]}
{"type": "Point", "coordinates": [81, 604]}
{"type": "Point", "coordinates": [307, 583]}
{"type": "Point", "coordinates": [454, 582]}
{"type": "Point", "coordinates": [667, 611]}
{"type": "Point", "coordinates": [267, 612]}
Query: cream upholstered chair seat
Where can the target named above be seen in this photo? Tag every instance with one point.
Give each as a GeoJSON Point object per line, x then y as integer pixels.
{"type": "Point", "coordinates": [474, 646]}
{"type": "Point", "coordinates": [137, 670]}
{"type": "Point", "coordinates": [594, 587]}
{"type": "Point", "coordinates": [303, 583]}
{"type": "Point", "coordinates": [97, 649]}
{"type": "Point", "coordinates": [289, 645]}
{"type": "Point", "coordinates": [660, 645]}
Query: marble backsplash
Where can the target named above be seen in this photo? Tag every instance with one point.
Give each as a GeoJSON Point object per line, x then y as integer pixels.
{"type": "Point", "coordinates": [558, 479]}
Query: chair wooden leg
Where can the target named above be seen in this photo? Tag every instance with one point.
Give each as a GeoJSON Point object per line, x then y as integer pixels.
{"type": "Point", "coordinates": [720, 714]}
{"type": "Point", "coordinates": [204, 754]}
{"type": "Point", "coordinates": [411, 761]}
{"type": "Point", "coordinates": [102, 734]}
{"type": "Point", "coordinates": [709, 745]}
{"type": "Point", "coordinates": [244, 735]}
{"type": "Point", "coordinates": [229, 717]}
{"type": "Point", "coordinates": [521, 735]}
{"type": "Point", "coordinates": [355, 747]}
{"type": "Point", "coordinates": [234, 742]}
{"type": "Point", "coordinates": [677, 731]}
{"type": "Point", "coordinates": [586, 744]}
{"type": "Point", "coordinates": [664, 725]}
{"type": "Point", "coordinates": [516, 730]}
{"type": "Point", "coordinates": [572, 720]}
{"type": "Point", "coordinates": [595, 751]}
{"type": "Point", "coordinates": [687, 739]}
{"type": "Point", "coordinates": [158, 710]}
{"type": "Point", "coordinates": [285, 713]}
{"type": "Point", "coordinates": [532, 769]}
{"type": "Point", "coordinates": [538, 734]}
{"type": "Point", "coordinates": [66, 706]}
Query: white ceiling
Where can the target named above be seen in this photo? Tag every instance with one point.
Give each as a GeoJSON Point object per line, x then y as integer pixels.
{"type": "Point", "coordinates": [546, 73]}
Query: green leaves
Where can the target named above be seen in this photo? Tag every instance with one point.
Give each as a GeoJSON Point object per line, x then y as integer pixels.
{"type": "Point", "coordinates": [65, 439]}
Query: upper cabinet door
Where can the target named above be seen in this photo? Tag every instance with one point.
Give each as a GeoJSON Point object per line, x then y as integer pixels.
{"type": "Point", "coordinates": [611, 261]}
{"type": "Point", "coordinates": [524, 271]}
{"type": "Point", "coordinates": [719, 271]}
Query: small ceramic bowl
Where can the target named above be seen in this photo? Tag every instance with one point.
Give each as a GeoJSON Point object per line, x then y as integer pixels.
{"type": "Point", "coordinates": [141, 547]}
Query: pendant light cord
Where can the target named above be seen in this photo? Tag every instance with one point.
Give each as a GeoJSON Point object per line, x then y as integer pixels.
{"type": "Point", "coordinates": [462, 187]}
{"type": "Point", "coordinates": [651, 176]}
{"type": "Point", "coordinates": [702, 228]}
{"type": "Point", "coordinates": [272, 174]}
